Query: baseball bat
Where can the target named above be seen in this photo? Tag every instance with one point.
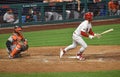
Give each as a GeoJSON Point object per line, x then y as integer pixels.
{"type": "Point", "coordinates": [107, 31]}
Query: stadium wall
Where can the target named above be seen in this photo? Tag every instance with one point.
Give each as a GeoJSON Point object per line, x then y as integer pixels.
{"type": "Point", "coordinates": [53, 13]}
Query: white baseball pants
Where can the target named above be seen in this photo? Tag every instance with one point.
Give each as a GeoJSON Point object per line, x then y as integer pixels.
{"type": "Point", "coordinates": [77, 40]}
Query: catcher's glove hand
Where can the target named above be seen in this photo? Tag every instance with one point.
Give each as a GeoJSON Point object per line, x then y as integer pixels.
{"type": "Point", "coordinates": [21, 42]}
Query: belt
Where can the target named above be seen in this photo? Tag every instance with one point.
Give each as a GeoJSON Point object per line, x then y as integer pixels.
{"type": "Point", "coordinates": [76, 34]}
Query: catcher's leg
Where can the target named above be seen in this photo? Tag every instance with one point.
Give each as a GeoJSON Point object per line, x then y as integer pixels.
{"type": "Point", "coordinates": [17, 55]}
{"type": "Point", "coordinates": [15, 51]}
{"type": "Point", "coordinates": [8, 46]}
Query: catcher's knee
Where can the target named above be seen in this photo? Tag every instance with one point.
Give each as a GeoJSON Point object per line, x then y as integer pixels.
{"type": "Point", "coordinates": [8, 45]}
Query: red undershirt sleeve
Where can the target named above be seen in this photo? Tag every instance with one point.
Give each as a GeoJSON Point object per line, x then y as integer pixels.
{"type": "Point", "coordinates": [91, 32]}
{"type": "Point", "coordinates": [84, 34]}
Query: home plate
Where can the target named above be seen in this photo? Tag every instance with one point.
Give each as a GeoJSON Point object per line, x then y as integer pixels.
{"type": "Point", "coordinates": [45, 60]}
{"type": "Point", "coordinates": [90, 60]}
{"type": "Point", "coordinates": [72, 57]}
{"type": "Point", "coordinates": [95, 60]}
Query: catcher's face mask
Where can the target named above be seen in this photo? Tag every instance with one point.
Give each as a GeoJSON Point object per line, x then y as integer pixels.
{"type": "Point", "coordinates": [18, 29]}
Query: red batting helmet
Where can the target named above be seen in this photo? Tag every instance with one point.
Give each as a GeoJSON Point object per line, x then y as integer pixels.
{"type": "Point", "coordinates": [88, 16]}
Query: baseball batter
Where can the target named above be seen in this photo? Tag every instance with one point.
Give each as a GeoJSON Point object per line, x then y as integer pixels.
{"type": "Point", "coordinates": [84, 29]}
{"type": "Point", "coordinates": [16, 43]}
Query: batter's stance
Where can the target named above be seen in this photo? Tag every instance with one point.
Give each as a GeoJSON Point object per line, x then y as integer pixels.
{"type": "Point", "coordinates": [84, 29]}
{"type": "Point", "coordinates": [16, 43]}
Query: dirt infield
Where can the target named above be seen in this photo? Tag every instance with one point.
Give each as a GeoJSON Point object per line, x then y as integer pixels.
{"type": "Point", "coordinates": [46, 59]}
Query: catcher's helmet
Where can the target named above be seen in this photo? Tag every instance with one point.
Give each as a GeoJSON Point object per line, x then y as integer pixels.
{"type": "Point", "coordinates": [17, 29]}
{"type": "Point", "coordinates": [88, 16]}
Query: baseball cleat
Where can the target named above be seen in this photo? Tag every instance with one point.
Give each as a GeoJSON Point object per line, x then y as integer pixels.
{"type": "Point", "coordinates": [10, 57]}
{"type": "Point", "coordinates": [62, 52]}
{"type": "Point", "coordinates": [17, 55]}
{"type": "Point", "coordinates": [80, 57]}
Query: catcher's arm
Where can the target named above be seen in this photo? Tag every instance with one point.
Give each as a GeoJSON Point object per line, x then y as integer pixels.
{"type": "Point", "coordinates": [23, 41]}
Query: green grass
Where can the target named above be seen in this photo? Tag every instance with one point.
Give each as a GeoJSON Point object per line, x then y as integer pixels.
{"type": "Point", "coordinates": [61, 37]}
{"type": "Point", "coordinates": [65, 74]}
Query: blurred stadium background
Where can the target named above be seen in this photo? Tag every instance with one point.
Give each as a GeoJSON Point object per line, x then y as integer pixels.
{"type": "Point", "coordinates": [30, 13]}
{"type": "Point", "coordinates": [36, 12]}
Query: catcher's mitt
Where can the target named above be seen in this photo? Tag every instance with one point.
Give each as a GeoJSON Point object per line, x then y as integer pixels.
{"type": "Point", "coordinates": [24, 45]}
{"type": "Point", "coordinates": [21, 42]}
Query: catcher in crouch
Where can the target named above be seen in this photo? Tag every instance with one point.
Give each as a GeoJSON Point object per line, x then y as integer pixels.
{"type": "Point", "coordinates": [16, 43]}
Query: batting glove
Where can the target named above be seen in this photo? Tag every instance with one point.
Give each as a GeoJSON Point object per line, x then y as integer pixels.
{"type": "Point", "coordinates": [97, 35]}
{"type": "Point", "coordinates": [91, 36]}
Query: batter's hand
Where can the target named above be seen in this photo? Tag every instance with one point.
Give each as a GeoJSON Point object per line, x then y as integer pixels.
{"type": "Point", "coordinates": [91, 36]}
{"type": "Point", "coordinates": [97, 35]}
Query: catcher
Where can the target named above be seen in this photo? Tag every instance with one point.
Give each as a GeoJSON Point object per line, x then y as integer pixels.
{"type": "Point", "coordinates": [16, 43]}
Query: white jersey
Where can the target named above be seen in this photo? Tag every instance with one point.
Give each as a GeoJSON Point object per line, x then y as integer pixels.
{"type": "Point", "coordinates": [8, 17]}
{"type": "Point", "coordinates": [85, 26]}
